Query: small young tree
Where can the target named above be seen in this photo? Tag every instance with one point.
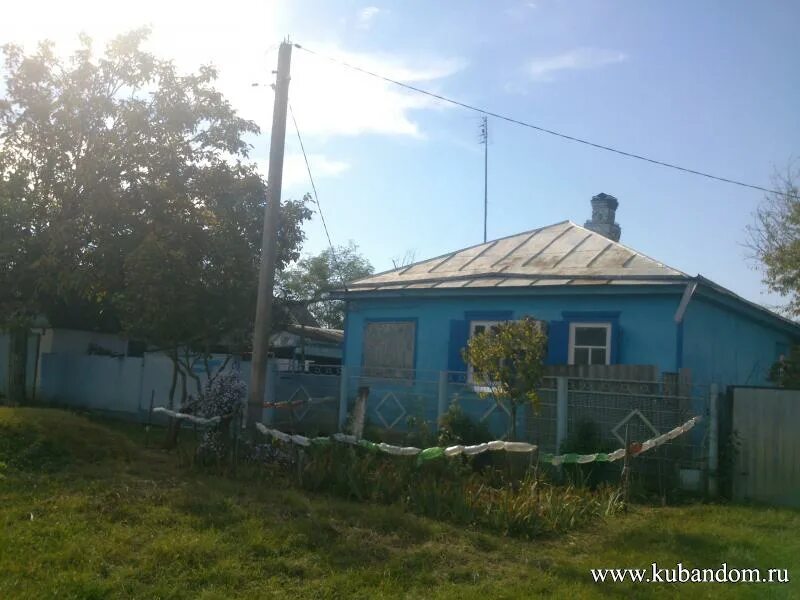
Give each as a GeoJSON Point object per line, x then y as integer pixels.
{"type": "Point", "coordinates": [508, 364]}
{"type": "Point", "coordinates": [786, 372]}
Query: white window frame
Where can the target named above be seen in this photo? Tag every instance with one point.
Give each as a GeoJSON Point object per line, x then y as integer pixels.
{"type": "Point", "coordinates": [574, 325]}
{"type": "Point", "coordinates": [472, 326]}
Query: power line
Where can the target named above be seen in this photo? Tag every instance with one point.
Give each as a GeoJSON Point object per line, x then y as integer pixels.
{"type": "Point", "coordinates": [316, 200]}
{"type": "Point", "coordinates": [571, 138]}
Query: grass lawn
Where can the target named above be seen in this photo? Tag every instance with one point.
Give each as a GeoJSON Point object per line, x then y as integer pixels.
{"type": "Point", "coordinates": [88, 512]}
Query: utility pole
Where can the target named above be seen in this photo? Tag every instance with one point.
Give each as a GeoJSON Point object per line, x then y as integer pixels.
{"type": "Point", "coordinates": [485, 142]}
{"type": "Point", "coordinates": [266, 273]}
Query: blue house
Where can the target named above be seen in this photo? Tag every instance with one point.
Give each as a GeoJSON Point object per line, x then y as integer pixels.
{"type": "Point", "coordinates": [601, 302]}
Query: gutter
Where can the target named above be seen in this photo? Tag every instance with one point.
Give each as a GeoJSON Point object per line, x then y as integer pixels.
{"type": "Point", "coordinates": [691, 287]}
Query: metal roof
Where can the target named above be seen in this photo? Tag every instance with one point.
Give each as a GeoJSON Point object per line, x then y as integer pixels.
{"type": "Point", "coordinates": [560, 254]}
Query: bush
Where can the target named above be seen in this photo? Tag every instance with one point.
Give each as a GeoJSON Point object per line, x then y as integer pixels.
{"type": "Point", "coordinates": [456, 427]}
{"type": "Point", "coordinates": [587, 439]}
{"type": "Point", "coordinates": [449, 489]}
{"type": "Point", "coordinates": [222, 397]}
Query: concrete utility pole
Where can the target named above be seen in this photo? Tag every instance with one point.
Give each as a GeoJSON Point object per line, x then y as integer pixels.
{"type": "Point", "coordinates": [266, 274]}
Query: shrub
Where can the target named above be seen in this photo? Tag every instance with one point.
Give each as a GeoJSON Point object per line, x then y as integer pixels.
{"type": "Point", "coordinates": [449, 489]}
{"type": "Point", "coordinates": [223, 396]}
{"type": "Point", "coordinates": [588, 439]}
{"type": "Point", "coordinates": [456, 427]}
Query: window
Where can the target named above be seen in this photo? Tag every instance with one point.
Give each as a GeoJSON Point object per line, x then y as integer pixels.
{"type": "Point", "coordinates": [476, 328]}
{"type": "Point", "coordinates": [389, 349]}
{"type": "Point", "coordinates": [589, 343]}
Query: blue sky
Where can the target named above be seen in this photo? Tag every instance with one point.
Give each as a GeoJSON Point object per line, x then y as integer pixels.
{"type": "Point", "coordinates": [713, 86]}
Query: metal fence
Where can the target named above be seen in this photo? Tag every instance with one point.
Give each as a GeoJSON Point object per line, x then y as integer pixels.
{"type": "Point", "coordinates": [571, 414]}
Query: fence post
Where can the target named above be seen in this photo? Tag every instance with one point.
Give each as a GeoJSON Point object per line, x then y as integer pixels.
{"type": "Point", "coordinates": [270, 392]}
{"type": "Point", "coordinates": [713, 440]}
{"type": "Point", "coordinates": [561, 412]}
{"type": "Point", "coordinates": [441, 407]}
{"type": "Point", "coordinates": [343, 397]}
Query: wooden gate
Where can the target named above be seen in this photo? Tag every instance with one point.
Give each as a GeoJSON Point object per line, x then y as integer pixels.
{"type": "Point", "coordinates": [767, 422]}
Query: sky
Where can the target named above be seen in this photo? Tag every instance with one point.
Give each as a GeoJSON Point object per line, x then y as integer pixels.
{"type": "Point", "coordinates": [713, 86]}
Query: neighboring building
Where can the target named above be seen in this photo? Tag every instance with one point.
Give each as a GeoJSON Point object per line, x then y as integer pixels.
{"type": "Point", "coordinates": [301, 344]}
{"type": "Point", "coordinates": [306, 348]}
{"type": "Point", "coordinates": [602, 303]}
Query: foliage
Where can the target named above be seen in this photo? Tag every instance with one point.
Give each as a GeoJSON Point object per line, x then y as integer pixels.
{"type": "Point", "coordinates": [586, 438]}
{"type": "Point", "coordinates": [451, 490]}
{"type": "Point", "coordinates": [729, 451]}
{"type": "Point", "coordinates": [774, 237]}
{"type": "Point", "coordinates": [223, 396]}
{"type": "Point", "coordinates": [127, 200]}
{"type": "Point", "coordinates": [456, 427]}
{"type": "Point", "coordinates": [314, 276]}
{"type": "Point", "coordinates": [508, 363]}
{"type": "Point", "coordinates": [786, 371]}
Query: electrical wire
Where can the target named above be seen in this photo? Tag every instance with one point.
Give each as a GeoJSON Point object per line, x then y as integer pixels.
{"type": "Point", "coordinates": [316, 201]}
{"type": "Point", "coordinates": [571, 138]}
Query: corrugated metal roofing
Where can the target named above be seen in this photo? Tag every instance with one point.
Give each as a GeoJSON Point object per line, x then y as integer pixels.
{"type": "Point", "coordinates": [560, 254]}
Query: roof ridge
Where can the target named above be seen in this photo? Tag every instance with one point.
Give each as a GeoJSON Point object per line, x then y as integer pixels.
{"type": "Point", "coordinates": [454, 252]}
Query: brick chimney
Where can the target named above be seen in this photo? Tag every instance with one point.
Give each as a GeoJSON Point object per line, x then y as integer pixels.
{"type": "Point", "coordinates": [604, 209]}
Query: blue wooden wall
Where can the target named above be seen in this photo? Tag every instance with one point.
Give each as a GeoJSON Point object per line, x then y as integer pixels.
{"type": "Point", "coordinates": [728, 346]}
{"type": "Point", "coordinates": [648, 332]}
{"type": "Point", "coordinates": [720, 342]}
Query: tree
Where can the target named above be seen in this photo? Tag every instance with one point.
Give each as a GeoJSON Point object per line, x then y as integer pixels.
{"type": "Point", "coordinates": [774, 238]}
{"type": "Point", "coordinates": [126, 199]}
{"type": "Point", "coordinates": [785, 372]}
{"type": "Point", "coordinates": [314, 276]}
{"type": "Point", "coordinates": [508, 364]}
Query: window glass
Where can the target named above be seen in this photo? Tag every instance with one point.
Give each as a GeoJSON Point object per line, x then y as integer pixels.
{"type": "Point", "coordinates": [590, 336]}
{"type": "Point", "coordinates": [389, 349]}
{"type": "Point", "coordinates": [598, 356]}
{"type": "Point", "coordinates": [589, 343]}
{"type": "Point", "coordinates": [582, 356]}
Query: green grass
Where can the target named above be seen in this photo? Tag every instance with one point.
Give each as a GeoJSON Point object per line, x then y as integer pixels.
{"type": "Point", "coordinates": [87, 511]}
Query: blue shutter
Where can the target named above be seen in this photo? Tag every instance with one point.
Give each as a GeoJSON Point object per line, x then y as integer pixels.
{"type": "Point", "coordinates": [459, 333]}
{"type": "Point", "coordinates": [616, 342]}
{"type": "Point", "coordinates": [557, 343]}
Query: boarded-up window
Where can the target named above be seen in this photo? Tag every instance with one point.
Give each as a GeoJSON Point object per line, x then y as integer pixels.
{"type": "Point", "coordinates": [389, 349]}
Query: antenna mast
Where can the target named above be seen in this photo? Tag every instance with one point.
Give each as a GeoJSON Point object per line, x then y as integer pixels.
{"type": "Point", "coordinates": [485, 141]}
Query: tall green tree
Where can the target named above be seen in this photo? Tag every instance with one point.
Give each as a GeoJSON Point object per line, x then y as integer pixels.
{"type": "Point", "coordinates": [127, 199]}
{"type": "Point", "coordinates": [314, 276]}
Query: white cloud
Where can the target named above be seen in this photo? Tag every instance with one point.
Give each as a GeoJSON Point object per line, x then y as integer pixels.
{"type": "Point", "coordinates": [544, 68]}
{"type": "Point", "coordinates": [331, 100]}
{"type": "Point", "coordinates": [328, 99]}
{"type": "Point", "coordinates": [295, 174]}
{"type": "Point", "coordinates": [366, 16]}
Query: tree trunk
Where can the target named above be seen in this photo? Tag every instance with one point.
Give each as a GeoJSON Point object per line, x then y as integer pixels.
{"type": "Point", "coordinates": [513, 428]}
{"type": "Point", "coordinates": [174, 426]}
{"type": "Point", "coordinates": [17, 364]}
{"type": "Point", "coordinates": [174, 357]}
